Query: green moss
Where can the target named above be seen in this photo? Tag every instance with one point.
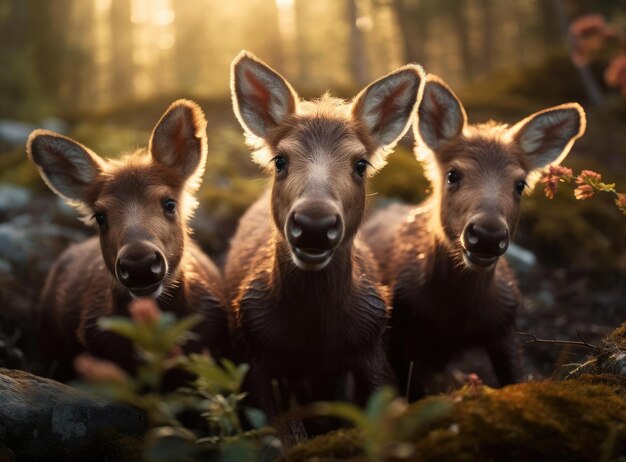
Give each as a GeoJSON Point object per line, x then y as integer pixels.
{"type": "Point", "coordinates": [338, 445]}
{"type": "Point", "coordinates": [402, 178]}
{"type": "Point", "coordinates": [531, 421]}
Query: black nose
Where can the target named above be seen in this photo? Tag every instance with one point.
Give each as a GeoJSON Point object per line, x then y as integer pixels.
{"type": "Point", "coordinates": [140, 265]}
{"type": "Point", "coordinates": [486, 239]}
{"type": "Point", "coordinates": [309, 232]}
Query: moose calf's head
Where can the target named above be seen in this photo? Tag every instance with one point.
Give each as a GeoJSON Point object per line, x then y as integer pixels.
{"type": "Point", "coordinates": [141, 202]}
{"type": "Point", "coordinates": [320, 152]}
{"type": "Point", "coordinates": [479, 172]}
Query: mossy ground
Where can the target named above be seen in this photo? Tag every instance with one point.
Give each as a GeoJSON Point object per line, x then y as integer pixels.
{"type": "Point", "coordinates": [577, 419]}
{"type": "Point", "coordinates": [566, 421]}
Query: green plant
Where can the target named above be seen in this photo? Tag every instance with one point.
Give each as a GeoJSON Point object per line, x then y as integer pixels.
{"type": "Point", "coordinates": [214, 393]}
{"type": "Point", "coordinates": [384, 423]}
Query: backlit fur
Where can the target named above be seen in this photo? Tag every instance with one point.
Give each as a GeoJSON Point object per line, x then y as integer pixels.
{"type": "Point", "coordinates": [443, 303]}
{"type": "Point", "coordinates": [82, 286]}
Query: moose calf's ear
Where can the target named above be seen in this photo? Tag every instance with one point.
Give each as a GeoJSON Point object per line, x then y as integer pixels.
{"type": "Point", "coordinates": [262, 98]}
{"type": "Point", "coordinates": [547, 136]}
{"type": "Point", "coordinates": [386, 106]}
{"type": "Point", "coordinates": [441, 116]}
{"type": "Point", "coordinates": [179, 139]}
{"type": "Point", "coordinates": [66, 166]}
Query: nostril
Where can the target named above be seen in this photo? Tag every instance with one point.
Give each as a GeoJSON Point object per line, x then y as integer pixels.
{"type": "Point", "coordinates": [123, 273]}
{"type": "Point", "coordinates": [157, 265]}
{"type": "Point", "coordinates": [472, 237]}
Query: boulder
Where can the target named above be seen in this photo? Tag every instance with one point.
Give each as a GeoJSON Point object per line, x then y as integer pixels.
{"type": "Point", "coordinates": [41, 419]}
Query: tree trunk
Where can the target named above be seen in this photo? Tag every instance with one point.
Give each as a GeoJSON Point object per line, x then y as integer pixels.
{"type": "Point", "coordinates": [121, 50]}
{"type": "Point", "coordinates": [459, 22]}
{"type": "Point", "coordinates": [488, 36]}
{"type": "Point", "coordinates": [358, 53]}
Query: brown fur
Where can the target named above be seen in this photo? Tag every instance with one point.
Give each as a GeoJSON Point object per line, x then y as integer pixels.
{"type": "Point", "coordinates": [82, 286]}
{"type": "Point", "coordinates": [309, 328]}
{"type": "Point", "coordinates": [441, 303]}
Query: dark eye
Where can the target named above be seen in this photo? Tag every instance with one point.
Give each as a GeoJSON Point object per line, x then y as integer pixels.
{"type": "Point", "coordinates": [360, 167]}
{"type": "Point", "coordinates": [280, 163]}
{"type": "Point", "coordinates": [453, 177]}
{"type": "Point", "coordinates": [100, 218]}
{"type": "Point", "coordinates": [519, 187]}
{"type": "Point", "coordinates": [169, 206]}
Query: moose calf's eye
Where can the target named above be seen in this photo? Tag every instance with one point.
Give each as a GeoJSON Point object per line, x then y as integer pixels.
{"type": "Point", "coordinates": [360, 167]}
{"type": "Point", "coordinates": [100, 218]}
{"type": "Point", "coordinates": [280, 163]}
{"type": "Point", "coordinates": [169, 206]}
{"type": "Point", "coordinates": [452, 177]}
{"type": "Point", "coordinates": [519, 187]}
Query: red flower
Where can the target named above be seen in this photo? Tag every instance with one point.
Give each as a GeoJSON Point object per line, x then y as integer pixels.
{"type": "Point", "coordinates": [144, 311]}
{"type": "Point", "coordinates": [615, 73]}
{"type": "Point", "coordinates": [584, 191]}
{"type": "Point", "coordinates": [588, 177]}
{"type": "Point", "coordinates": [98, 370]}
{"type": "Point", "coordinates": [621, 201]}
{"type": "Point", "coordinates": [553, 176]}
{"type": "Point", "coordinates": [589, 24]}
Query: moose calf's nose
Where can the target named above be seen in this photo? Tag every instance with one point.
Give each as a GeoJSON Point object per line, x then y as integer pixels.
{"type": "Point", "coordinates": [136, 269]}
{"type": "Point", "coordinates": [485, 240]}
{"type": "Point", "coordinates": [314, 232]}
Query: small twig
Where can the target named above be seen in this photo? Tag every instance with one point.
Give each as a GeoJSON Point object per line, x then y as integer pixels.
{"type": "Point", "coordinates": [534, 339]}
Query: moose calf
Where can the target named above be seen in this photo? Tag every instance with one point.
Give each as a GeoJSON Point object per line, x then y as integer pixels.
{"type": "Point", "coordinates": [141, 204]}
{"type": "Point", "coordinates": [451, 289]}
{"type": "Point", "coordinates": [305, 291]}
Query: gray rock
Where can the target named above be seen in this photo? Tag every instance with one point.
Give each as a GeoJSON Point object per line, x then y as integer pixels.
{"type": "Point", "coordinates": [30, 246]}
{"type": "Point", "coordinates": [16, 133]}
{"type": "Point", "coordinates": [13, 199]}
{"type": "Point", "coordinates": [41, 419]}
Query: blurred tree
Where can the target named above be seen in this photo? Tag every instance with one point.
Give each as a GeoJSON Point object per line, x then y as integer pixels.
{"type": "Point", "coordinates": [487, 30]}
{"type": "Point", "coordinates": [357, 54]}
{"type": "Point", "coordinates": [122, 65]}
{"type": "Point", "coordinates": [413, 24]}
{"type": "Point", "coordinates": [47, 26]}
{"type": "Point", "coordinates": [193, 44]}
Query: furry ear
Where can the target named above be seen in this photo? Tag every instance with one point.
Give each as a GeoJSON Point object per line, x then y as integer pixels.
{"type": "Point", "coordinates": [179, 139]}
{"type": "Point", "coordinates": [66, 166]}
{"type": "Point", "coordinates": [547, 136]}
{"type": "Point", "coordinates": [441, 116]}
{"type": "Point", "coordinates": [262, 98]}
{"type": "Point", "coordinates": [386, 106]}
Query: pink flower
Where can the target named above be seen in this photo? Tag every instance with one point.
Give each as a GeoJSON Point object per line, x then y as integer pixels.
{"type": "Point", "coordinates": [615, 73]}
{"type": "Point", "coordinates": [98, 370]}
{"type": "Point", "coordinates": [589, 24]}
{"type": "Point", "coordinates": [144, 311]}
{"type": "Point", "coordinates": [553, 176]}
{"type": "Point", "coordinates": [584, 191]}
{"type": "Point", "coordinates": [587, 176]}
{"type": "Point", "coordinates": [590, 34]}
{"type": "Point", "coordinates": [621, 202]}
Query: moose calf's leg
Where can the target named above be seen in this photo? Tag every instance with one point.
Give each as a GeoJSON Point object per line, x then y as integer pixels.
{"type": "Point", "coordinates": [505, 358]}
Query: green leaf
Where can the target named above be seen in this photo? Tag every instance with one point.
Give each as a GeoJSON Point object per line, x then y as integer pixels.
{"type": "Point", "coordinates": [256, 417]}
{"type": "Point", "coordinates": [426, 413]}
{"type": "Point", "coordinates": [378, 403]}
{"type": "Point", "coordinates": [346, 411]}
{"type": "Point", "coordinates": [239, 451]}
{"type": "Point", "coordinates": [120, 325]}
